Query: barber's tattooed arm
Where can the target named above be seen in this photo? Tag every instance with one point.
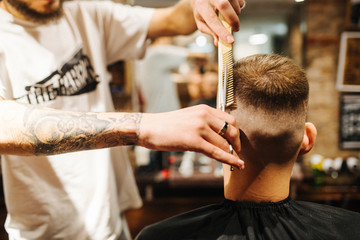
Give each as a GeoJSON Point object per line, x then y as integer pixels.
{"type": "Point", "coordinates": [29, 130]}
{"type": "Point", "coordinates": [42, 131]}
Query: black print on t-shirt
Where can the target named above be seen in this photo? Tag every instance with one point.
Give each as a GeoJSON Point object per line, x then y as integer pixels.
{"type": "Point", "coordinates": [75, 77]}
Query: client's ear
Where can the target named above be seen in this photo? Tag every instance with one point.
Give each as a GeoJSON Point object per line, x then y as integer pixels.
{"type": "Point", "coordinates": [309, 138]}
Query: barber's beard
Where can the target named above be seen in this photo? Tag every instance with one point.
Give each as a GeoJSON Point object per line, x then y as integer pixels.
{"type": "Point", "coordinates": [34, 15]}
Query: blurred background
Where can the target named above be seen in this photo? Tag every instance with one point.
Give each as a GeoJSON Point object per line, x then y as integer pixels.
{"type": "Point", "coordinates": [323, 36]}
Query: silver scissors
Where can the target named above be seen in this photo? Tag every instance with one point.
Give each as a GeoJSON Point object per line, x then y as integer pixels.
{"type": "Point", "coordinates": [222, 104]}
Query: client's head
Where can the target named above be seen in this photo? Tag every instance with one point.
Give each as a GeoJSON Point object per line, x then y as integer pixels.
{"type": "Point", "coordinates": [271, 95]}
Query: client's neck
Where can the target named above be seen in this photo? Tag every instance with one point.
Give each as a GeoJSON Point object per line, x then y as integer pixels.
{"type": "Point", "coordinates": [269, 183]}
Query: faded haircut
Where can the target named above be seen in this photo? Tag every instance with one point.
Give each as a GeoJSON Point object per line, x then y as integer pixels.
{"type": "Point", "coordinates": [270, 82]}
{"type": "Point", "coordinates": [275, 90]}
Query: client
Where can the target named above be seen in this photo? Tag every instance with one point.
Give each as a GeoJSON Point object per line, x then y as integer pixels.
{"type": "Point", "coordinates": [271, 95]}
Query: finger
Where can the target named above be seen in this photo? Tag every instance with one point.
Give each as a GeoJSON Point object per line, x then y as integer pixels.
{"type": "Point", "coordinates": [215, 120]}
{"type": "Point", "coordinates": [222, 33]}
{"type": "Point", "coordinates": [232, 133]}
{"type": "Point", "coordinates": [243, 4]}
{"type": "Point", "coordinates": [222, 116]}
{"type": "Point", "coordinates": [213, 22]}
{"type": "Point", "coordinates": [220, 155]}
{"type": "Point", "coordinates": [230, 15]}
{"type": "Point", "coordinates": [219, 114]}
{"type": "Point", "coordinates": [216, 41]}
{"type": "Point", "coordinates": [237, 6]}
{"type": "Point", "coordinates": [213, 137]}
{"type": "Point", "coordinates": [205, 29]}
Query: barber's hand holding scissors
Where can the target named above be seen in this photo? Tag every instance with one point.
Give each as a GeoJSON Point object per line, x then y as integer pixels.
{"type": "Point", "coordinates": [205, 13]}
{"type": "Point", "coordinates": [200, 128]}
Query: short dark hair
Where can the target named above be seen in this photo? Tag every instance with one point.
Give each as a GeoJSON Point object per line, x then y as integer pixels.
{"type": "Point", "coordinates": [271, 82]}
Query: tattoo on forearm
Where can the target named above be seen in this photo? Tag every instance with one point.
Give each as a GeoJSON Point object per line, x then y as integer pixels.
{"type": "Point", "coordinates": [51, 132]}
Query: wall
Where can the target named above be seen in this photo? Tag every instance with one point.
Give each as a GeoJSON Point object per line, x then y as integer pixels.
{"type": "Point", "coordinates": [325, 20]}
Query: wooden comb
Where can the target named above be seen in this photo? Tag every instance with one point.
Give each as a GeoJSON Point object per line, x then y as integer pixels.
{"type": "Point", "coordinates": [225, 94]}
{"type": "Point", "coordinates": [225, 61]}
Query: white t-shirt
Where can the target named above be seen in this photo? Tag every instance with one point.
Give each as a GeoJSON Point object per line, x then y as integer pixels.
{"type": "Point", "coordinates": [62, 65]}
{"type": "Point", "coordinates": [154, 74]}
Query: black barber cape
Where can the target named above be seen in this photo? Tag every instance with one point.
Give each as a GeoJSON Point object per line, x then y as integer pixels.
{"type": "Point", "coordinates": [287, 219]}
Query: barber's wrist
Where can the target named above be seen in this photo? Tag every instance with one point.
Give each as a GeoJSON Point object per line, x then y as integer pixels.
{"type": "Point", "coordinates": [131, 129]}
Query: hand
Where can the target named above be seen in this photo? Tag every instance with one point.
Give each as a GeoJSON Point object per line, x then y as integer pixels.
{"type": "Point", "coordinates": [192, 129]}
{"type": "Point", "coordinates": [207, 21]}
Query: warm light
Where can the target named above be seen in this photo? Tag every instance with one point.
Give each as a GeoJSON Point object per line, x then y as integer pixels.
{"type": "Point", "coordinates": [258, 39]}
{"type": "Point", "coordinates": [299, 0]}
{"type": "Point", "coordinates": [201, 41]}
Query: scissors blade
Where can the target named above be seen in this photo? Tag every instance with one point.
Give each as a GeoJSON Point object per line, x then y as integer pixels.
{"type": "Point", "coordinates": [223, 92]}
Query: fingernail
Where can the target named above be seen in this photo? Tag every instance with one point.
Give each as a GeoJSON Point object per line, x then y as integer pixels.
{"type": "Point", "coordinates": [241, 164]}
{"type": "Point", "coordinates": [241, 167]}
{"type": "Point", "coordinates": [230, 39]}
{"type": "Point", "coordinates": [216, 40]}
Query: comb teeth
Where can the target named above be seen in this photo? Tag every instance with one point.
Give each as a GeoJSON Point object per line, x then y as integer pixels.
{"type": "Point", "coordinates": [225, 57]}
{"type": "Point", "coordinates": [229, 91]}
